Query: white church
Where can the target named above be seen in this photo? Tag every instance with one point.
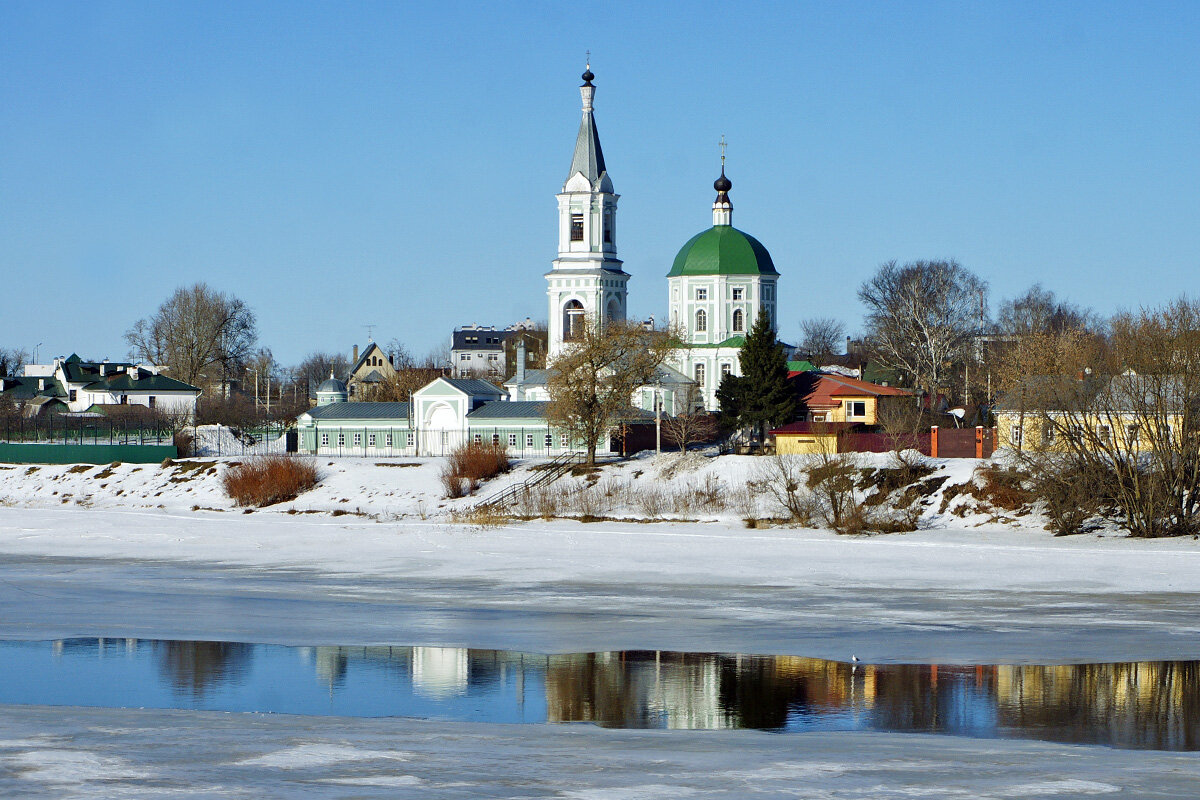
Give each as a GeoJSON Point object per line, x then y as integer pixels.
{"type": "Point", "coordinates": [718, 284]}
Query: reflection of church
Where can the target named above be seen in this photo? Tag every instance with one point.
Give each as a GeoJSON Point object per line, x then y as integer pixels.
{"type": "Point", "coordinates": [719, 283]}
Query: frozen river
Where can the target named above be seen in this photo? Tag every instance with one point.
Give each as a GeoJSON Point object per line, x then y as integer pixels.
{"type": "Point", "coordinates": [947, 597]}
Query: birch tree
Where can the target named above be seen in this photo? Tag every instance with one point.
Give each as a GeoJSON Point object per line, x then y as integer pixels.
{"type": "Point", "coordinates": [921, 318]}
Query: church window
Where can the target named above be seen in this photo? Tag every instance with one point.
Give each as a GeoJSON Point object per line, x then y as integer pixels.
{"type": "Point", "coordinates": [701, 294]}
{"type": "Point", "coordinates": [698, 372]}
{"type": "Point", "coordinates": [738, 293]}
{"type": "Point", "coordinates": [739, 323]}
{"type": "Point", "coordinates": [577, 227]}
{"type": "Point", "coordinates": [464, 356]}
{"type": "Point", "coordinates": [572, 320]}
{"type": "Point", "coordinates": [701, 321]}
{"type": "Point", "coordinates": [726, 369]}
{"type": "Point", "coordinates": [608, 228]}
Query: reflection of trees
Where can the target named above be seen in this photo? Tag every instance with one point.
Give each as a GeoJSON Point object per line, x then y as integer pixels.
{"type": "Point", "coordinates": [193, 667]}
{"type": "Point", "coordinates": [1154, 704]}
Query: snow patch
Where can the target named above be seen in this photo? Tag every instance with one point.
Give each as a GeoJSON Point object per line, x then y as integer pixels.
{"type": "Point", "coordinates": [320, 755]}
{"type": "Point", "coordinates": [1069, 786]}
{"type": "Point", "coordinates": [74, 767]}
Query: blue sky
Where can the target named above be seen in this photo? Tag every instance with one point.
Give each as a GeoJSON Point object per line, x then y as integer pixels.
{"type": "Point", "coordinates": [336, 165]}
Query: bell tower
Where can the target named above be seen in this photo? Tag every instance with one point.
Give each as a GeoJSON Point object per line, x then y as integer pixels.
{"type": "Point", "coordinates": [586, 284]}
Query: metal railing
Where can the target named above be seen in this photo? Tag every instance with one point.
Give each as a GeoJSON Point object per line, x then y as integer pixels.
{"type": "Point", "coordinates": [549, 473]}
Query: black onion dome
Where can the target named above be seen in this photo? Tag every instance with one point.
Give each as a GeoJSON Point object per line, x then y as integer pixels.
{"type": "Point", "coordinates": [722, 184]}
{"type": "Point", "coordinates": [588, 76]}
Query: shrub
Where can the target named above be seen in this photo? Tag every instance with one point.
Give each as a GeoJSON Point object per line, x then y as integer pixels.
{"type": "Point", "coordinates": [469, 465]}
{"type": "Point", "coordinates": [265, 480]}
{"type": "Point", "coordinates": [184, 442]}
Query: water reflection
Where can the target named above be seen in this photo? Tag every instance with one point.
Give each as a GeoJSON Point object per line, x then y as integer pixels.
{"type": "Point", "coordinates": [1141, 705]}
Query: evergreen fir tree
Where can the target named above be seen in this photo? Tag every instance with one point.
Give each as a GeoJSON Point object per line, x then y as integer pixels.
{"type": "Point", "coordinates": [761, 396]}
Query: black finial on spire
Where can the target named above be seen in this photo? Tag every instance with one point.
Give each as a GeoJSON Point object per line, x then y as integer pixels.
{"type": "Point", "coordinates": [722, 184]}
{"type": "Point", "coordinates": [587, 70]}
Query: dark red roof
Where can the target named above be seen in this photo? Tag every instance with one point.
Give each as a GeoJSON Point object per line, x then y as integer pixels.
{"type": "Point", "coordinates": [818, 390]}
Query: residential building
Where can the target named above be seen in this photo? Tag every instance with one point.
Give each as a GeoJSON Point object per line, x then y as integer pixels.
{"type": "Point", "coordinates": [72, 385]}
{"type": "Point", "coordinates": [370, 370]}
{"type": "Point", "coordinates": [837, 398]}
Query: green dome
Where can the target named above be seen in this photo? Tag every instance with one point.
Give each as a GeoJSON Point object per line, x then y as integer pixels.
{"type": "Point", "coordinates": [722, 250]}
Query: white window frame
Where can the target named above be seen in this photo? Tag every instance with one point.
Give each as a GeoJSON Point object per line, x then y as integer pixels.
{"type": "Point", "coordinates": [371, 440]}
{"type": "Point", "coordinates": [564, 441]}
{"type": "Point", "coordinates": [358, 439]}
{"type": "Point", "coordinates": [738, 293]}
{"type": "Point", "coordinates": [512, 440]}
{"type": "Point", "coordinates": [549, 440]}
{"type": "Point", "coordinates": [701, 321]}
{"type": "Point", "coordinates": [341, 440]}
{"type": "Point", "coordinates": [410, 438]}
{"type": "Point", "coordinates": [529, 440]}
{"type": "Point", "coordinates": [324, 440]}
{"type": "Point", "coordinates": [701, 293]}
{"type": "Point", "coordinates": [387, 440]}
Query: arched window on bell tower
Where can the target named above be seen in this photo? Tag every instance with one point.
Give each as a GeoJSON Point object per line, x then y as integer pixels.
{"type": "Point", "coordinates": [701, 321]}
{"type": "Point", "coordinates": [739, 321]}
{"type": "Point", "coordinates": [572, 320]}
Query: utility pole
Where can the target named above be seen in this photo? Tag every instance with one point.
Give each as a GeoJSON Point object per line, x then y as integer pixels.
{"type": "Point", "coordinates": [657, 420]}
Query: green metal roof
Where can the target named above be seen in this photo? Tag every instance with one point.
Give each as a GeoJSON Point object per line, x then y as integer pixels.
{"type": "Point", "coordinates": [732, 341]}
{"type": "Point", "coordinates": [121, 382]}
{"type": "Point", "coordinates": [800, 366]}
{"type": "Point", "coordinates": [396, 412]}
{"type": "Point", "coordinates": [722, 250]}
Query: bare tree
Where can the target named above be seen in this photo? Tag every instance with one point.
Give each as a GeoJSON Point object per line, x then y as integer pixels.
{"type": "Point", "coordinates": [1123, 419]}
{"type": "Point", "coordinates": [593, 378]}
{"type": "Point", "coordinates": [822, 337]}
{"type": "Point", "coordinates": [921, 318]}
{"type": "Point", "coordinates": [690, 424]}
{"type": "Point", "coordinates": [200, 334]}
{"type": "Point", "coordinates": [317, 367]}
{"type": "Point", "coordinates": [11, 360]}
{"type": "Point", "coordinates": [1039, 311]}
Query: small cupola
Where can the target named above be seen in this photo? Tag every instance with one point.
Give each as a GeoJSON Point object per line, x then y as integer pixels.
{"type": "Point", "coordinates": [331, 391]}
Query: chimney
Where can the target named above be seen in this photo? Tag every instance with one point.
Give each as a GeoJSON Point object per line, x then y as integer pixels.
{"type": "Point", "coordinates": [847, 345]}
{"type": "Point", "coordinates": [354, 359]}
{"type": "Point", "coordinates": [41, 384]}
{"type": "Point", "coordinates": [520, 360]}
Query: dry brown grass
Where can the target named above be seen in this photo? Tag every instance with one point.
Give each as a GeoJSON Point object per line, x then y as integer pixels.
{"type": "Point", "coordinates": [472, 464]}
{"type": "Point", "coordinates": [265, 480]}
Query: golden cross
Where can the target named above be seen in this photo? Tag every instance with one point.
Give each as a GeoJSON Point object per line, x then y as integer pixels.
{"type": "Point", "coordinates": [723, 144]}
{"type": "Point", "coordinates": [589, 59]}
